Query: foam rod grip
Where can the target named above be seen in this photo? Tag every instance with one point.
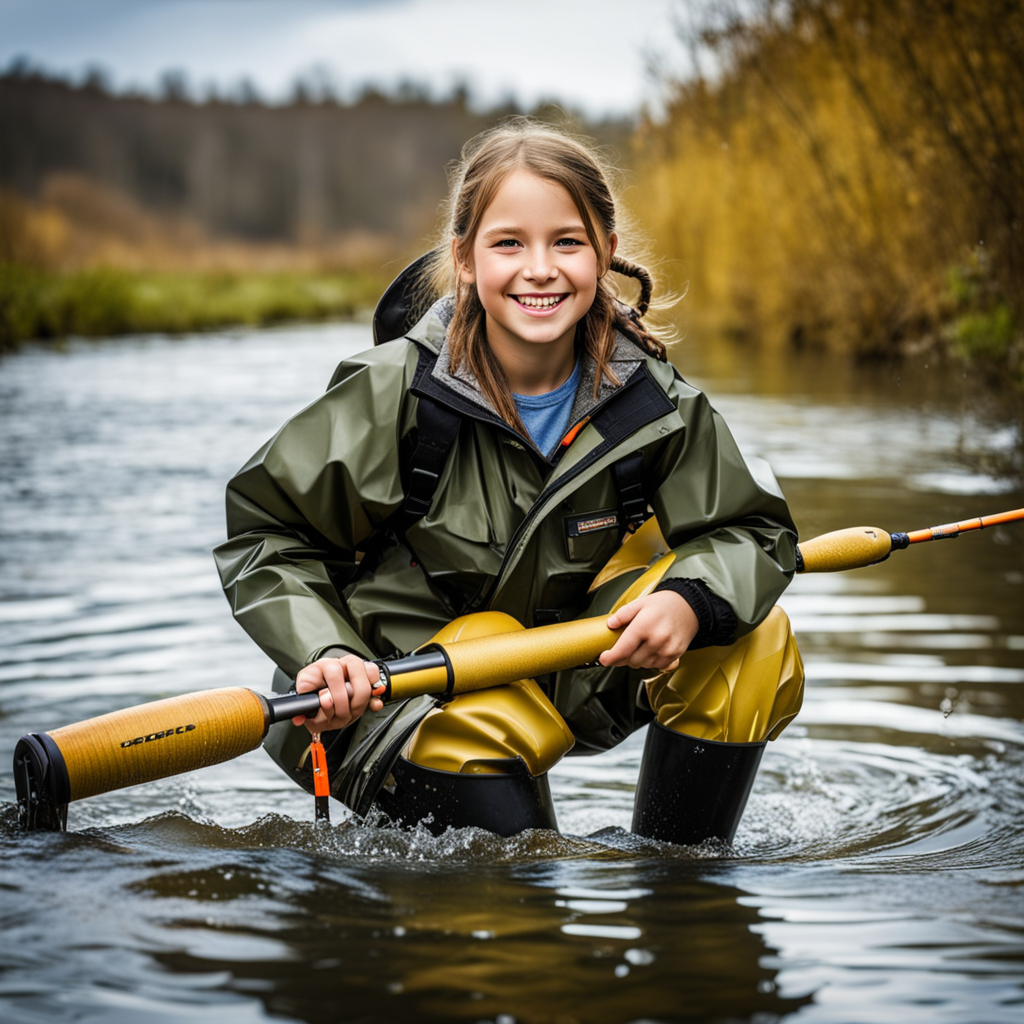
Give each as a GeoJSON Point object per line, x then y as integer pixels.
{"type": "Point", "coordinates": [844, 549]}
{"type": "Point", "coordinates": [525, 654]}
{"type": "Point", "coordinates": [165, 737]}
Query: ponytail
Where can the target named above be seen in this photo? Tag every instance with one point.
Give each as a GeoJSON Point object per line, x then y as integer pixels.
{"type": "Point", "coordinates": [632, 322]}
{"type": "Point", "coordinates": [641, 274]}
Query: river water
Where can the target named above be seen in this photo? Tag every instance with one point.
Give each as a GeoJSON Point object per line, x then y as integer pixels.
{"type": "Point", "coordinates": [878, 874]}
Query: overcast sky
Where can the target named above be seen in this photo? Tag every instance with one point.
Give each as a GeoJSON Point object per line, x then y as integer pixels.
{"type": "Point", "coordinates": [590, 54]}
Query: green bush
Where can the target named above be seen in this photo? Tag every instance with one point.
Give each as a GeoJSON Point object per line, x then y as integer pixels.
{"type": "Point", "coordinates": [101, 301]}
{"type": "Point", "coordinates": [986, 336]}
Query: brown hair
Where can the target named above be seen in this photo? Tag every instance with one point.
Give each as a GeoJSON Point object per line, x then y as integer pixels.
{"type": "Point", "coordinates": [487, 160]}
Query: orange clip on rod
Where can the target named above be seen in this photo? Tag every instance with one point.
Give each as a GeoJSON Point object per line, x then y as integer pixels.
{"type": "Point", "coordinates": [321, 784]}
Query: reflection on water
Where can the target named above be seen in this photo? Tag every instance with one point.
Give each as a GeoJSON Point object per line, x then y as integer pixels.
{"type": "Point", "coordinates": [878, 871]}
{"type": "Point", "coordinates": [397, 927]}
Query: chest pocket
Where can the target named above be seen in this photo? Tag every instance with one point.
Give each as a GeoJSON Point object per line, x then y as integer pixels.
{"type": "Point", "coordinates": [589, 536]}
{"type": "Point", "coordinates": [595, 536]}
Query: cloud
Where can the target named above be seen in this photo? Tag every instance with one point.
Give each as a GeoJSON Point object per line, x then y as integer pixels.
{"type": "Point", "coordinates": [586, 53]}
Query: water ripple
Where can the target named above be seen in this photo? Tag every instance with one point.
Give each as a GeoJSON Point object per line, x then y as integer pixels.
{"type": "Point", "coordinates": [878, 864]}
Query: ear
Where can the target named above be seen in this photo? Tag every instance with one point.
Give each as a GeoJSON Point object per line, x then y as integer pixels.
{"type": "Point", "coordinates": [466, 273]}
{"type": "Point", "coordinates": [613, 244]}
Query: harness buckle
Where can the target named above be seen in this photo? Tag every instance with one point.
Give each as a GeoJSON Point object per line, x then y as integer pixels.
{"type": "Point", "coordinates": [422, 484]}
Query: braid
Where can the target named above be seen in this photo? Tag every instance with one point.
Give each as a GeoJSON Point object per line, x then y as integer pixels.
{"type": "Point", "coordinates": [654, 345]}
{"type": "Point", "coordinates": [638, 273]}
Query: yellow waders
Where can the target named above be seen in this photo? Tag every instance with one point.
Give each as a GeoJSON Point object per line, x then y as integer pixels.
{"type": "Point", "coordinates": [713, 714]}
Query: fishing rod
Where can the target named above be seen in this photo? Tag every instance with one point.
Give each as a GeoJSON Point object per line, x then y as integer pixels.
{"type": "Point", "coordinates": [859, 546]}
{"type": "Point", "coordinates": [196, 730]}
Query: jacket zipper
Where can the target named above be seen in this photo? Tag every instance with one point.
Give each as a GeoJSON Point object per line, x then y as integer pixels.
{"type": "Point", "coordinates": [482, 416]}
{"type": "Point", "coordinates": [543, 497]}
{"type": "Point", "coordinates": [534, 512]}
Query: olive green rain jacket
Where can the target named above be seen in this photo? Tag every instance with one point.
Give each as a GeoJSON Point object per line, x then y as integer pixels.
{"type": "Point", "coordinates": [498, 535]}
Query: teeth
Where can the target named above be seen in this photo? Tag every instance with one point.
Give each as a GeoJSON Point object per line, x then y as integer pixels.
{"type": "Point", "coordinates": [539, 303]}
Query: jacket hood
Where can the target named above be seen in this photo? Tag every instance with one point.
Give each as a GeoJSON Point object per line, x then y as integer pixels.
{"type": "Point", "coordinates": [404, 303]}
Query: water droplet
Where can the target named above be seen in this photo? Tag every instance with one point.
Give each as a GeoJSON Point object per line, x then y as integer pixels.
{"type": "Point", "coordinates": [639, 957]}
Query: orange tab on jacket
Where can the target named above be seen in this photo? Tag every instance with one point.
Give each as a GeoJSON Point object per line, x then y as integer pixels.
{"type": "Point", "coordinates": [571, 436]}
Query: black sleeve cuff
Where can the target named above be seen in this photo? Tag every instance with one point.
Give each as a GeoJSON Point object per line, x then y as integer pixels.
{"type": "Point", "coordinates": [716, 621]}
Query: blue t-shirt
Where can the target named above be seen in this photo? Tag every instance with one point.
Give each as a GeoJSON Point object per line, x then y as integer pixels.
{"type": "Point", "coordinates": [547, 416]}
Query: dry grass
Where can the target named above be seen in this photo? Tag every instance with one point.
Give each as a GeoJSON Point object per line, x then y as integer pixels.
{"type": "Point", "coordinates": [851, 175]}
{"type": "Point", "coordinates": [85, 260]}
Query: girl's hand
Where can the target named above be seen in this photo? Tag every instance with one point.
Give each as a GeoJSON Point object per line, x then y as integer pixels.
{"type": "Point", "coordinates": [659, 629]}
{"type": "Point", "coordinates": [346, 688]}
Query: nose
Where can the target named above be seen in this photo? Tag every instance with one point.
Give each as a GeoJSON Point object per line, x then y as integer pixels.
{"type": "Point", "coordinates": [540, 266]}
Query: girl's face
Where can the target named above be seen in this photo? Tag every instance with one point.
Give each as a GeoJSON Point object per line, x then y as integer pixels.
{"type": "Point", "coordinates": [533, 266]}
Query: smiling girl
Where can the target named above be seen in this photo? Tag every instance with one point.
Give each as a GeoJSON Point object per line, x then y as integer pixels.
{"type": "Point", "coordinates": [515, 421]}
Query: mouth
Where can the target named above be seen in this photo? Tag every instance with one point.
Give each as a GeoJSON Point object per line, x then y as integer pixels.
{"type": "Point", "coordinates": [540, 303]}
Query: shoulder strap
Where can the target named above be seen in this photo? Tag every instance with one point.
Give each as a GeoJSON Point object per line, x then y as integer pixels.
{"type": "Point", "coordinates": [437, 427]}
{"type": "Point", "coordinates": [629, 481]}
{"type": "Point", "coordinates": [436, 430]}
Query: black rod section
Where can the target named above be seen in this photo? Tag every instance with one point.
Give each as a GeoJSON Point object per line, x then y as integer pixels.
{"type": "Point", "coordinates": [415, 662]}
{"type": "Point", "coordinates": [288, 705]}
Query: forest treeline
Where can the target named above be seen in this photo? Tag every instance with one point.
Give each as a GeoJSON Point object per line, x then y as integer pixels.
{"type": "Point", "coordinates": [352, 180]}
{"type": "Point", "coordinates": [848, 173]}
{"type": "Point", "coordinates": [133, 213]}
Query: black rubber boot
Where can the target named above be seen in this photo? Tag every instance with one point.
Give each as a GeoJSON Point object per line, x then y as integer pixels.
{"type": "Point", "coordinates": [504, 804]}
{"type": "Point", "coordinates": [690, 790]}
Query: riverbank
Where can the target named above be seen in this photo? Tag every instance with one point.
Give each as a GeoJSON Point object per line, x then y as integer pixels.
{"type": "Point", "coordinates": [102, 301]}
{"type": "Point", "coordinates": [50, 305]}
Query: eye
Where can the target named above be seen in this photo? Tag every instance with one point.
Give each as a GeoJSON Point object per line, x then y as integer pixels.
{"type": "Point", "coordinates": [506, 243]}
{"type": "Point", "coordinates": [567, 243]}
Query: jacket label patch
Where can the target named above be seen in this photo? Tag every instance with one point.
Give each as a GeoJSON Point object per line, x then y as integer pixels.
{"type": "Point", "coordinates": [578, 526]}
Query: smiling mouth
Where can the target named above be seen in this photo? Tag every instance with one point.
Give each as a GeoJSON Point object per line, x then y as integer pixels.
{"type": "Point", "coordinates": [540, 301]}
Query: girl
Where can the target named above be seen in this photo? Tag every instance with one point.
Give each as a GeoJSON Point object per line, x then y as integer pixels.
{"type": "Point", "coordinates": [490, 454]}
